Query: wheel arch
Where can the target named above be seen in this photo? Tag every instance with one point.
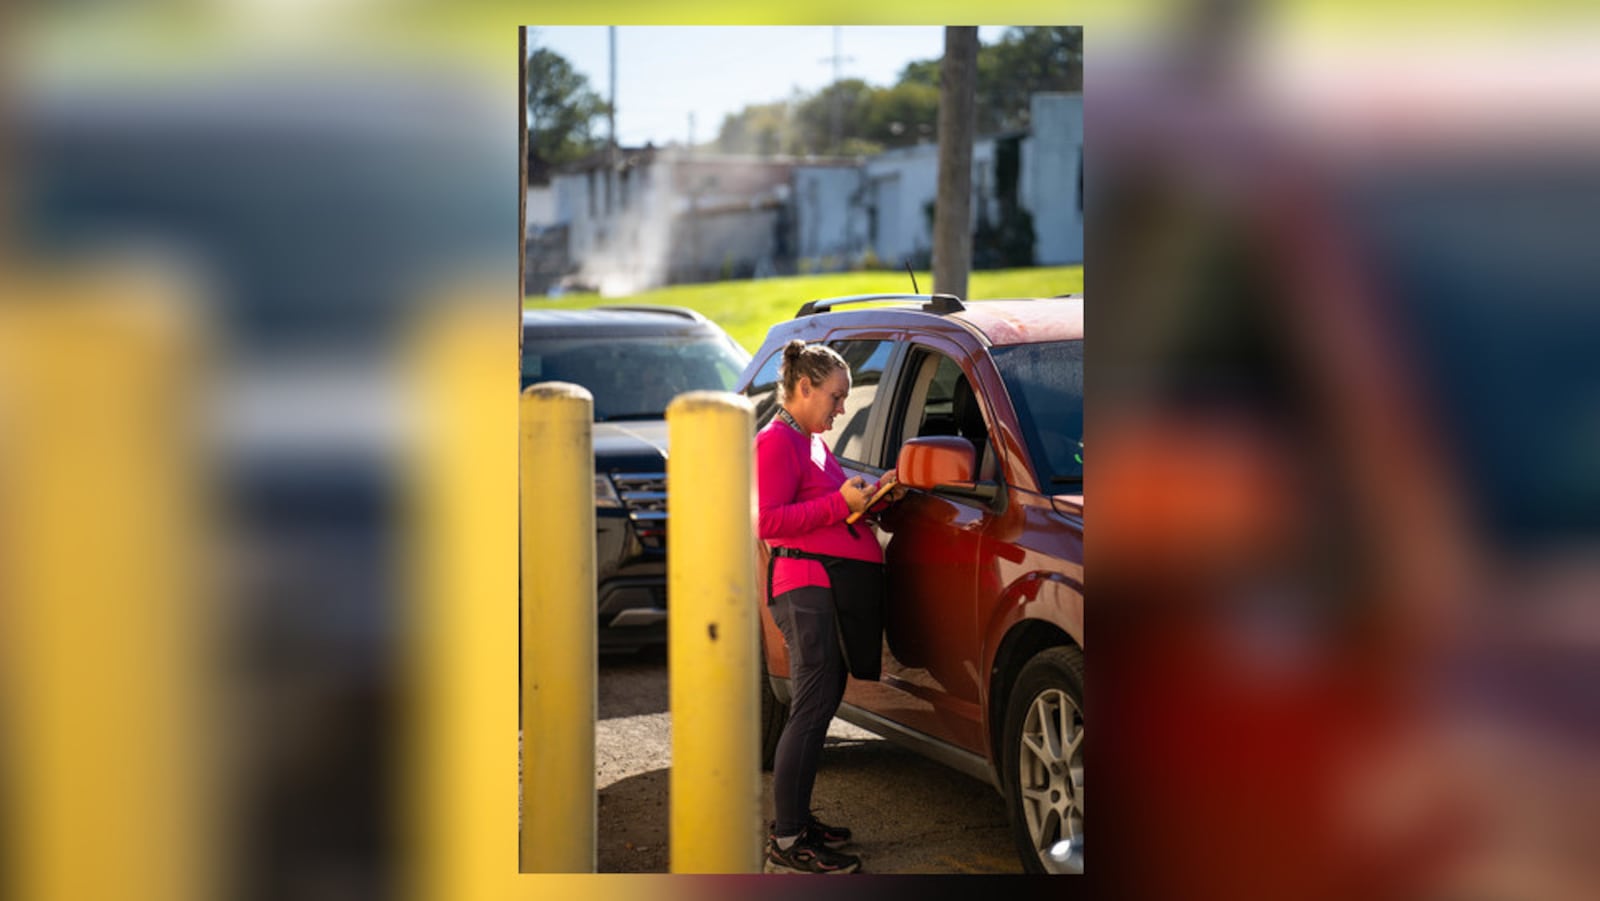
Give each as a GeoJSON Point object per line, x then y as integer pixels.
{"type": "Point", "coordinates": [1022, 641]}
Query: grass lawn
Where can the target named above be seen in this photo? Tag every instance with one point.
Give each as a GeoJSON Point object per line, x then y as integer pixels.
{"type": "Point", "coordinates": [747, 309]}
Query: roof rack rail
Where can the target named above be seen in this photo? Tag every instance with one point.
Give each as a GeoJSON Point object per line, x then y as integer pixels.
{"type": "Point", "coordinates": [681, 312]}
{"type": "Point", "coordinates": [931, 303]}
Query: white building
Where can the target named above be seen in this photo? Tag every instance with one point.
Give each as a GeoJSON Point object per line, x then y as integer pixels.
{"type": "Point", "coordinates": [655, 216]}
{"type": "Point", "coordinates": [829, 222]}
{"type": "Point", "coordinates": [885, 204]}
{"type": "Point", "coordinates": [1052, 177]}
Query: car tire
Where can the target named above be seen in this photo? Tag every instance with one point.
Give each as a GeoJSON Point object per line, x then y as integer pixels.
{"type": "Point", "coordinates": [774, 713]}
{"type": "Point", "coordinates": [1042, 761]}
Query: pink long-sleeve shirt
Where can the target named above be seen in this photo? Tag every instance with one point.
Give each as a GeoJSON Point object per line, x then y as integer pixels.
{"type": "Point", "coordinates": [799, 506]}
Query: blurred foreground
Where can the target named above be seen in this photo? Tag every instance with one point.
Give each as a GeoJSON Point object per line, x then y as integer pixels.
{"type": "Point", "coordinates": [257, 464]}
{"type": "Point", "coordinates": [1346, 502]}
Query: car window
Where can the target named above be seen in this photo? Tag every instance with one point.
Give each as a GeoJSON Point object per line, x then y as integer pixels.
{"type": "Point", "coordinates": [938, 400]}
{"type": "Point", "coordinates": [848, 438]}
{"type": "Point", "coordinates": [1045, 382]}
{"type": "Point", "coordinates": [632, 378]}
{"type": "Point", "coordinates": [867, 360]}
{"type": "Point", "coordinates": [763, 390]}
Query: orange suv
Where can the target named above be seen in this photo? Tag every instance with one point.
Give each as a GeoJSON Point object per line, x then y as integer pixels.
{"type": "Point", "coordinates": [979, 405]}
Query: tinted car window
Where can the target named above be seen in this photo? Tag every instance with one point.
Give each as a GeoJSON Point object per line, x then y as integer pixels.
{"type": "Point", "coordinates": [632, 378]}
{"type": "Point", "coordinates": [1045, 382]}
{"type": "Point", "coordinates": [867, 359]}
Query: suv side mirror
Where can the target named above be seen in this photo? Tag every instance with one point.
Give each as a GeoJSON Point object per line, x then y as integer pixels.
{"type": "Point", "coordinates": [945, 464]}
{"type": "Point", "coordinates": [936, 460]}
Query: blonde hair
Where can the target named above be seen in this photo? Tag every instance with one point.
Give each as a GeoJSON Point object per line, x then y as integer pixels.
{"type": "Point", "coordinates": [814, 361]}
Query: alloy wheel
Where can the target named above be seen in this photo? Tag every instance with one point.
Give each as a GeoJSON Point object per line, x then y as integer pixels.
{"type": "Point", "coordinates": [1050, 776]}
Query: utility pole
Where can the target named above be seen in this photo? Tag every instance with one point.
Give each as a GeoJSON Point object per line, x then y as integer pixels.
{"type": "Point", "coordinates": [611, 106]}
{"type": "Point", "coordinates": [836, 107]}
{"type": "Point", "coordinates": [952, 228]}
{"type": "Point", "coordinates": [692, 182]}
{"type": "Point", "coordinates": [611, 118]}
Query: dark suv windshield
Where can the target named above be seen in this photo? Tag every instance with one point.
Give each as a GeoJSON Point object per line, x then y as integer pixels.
{"type": "Point", "coordinates": [1045, 382]}
{"type": "Point", "coordinates": [632, 378]}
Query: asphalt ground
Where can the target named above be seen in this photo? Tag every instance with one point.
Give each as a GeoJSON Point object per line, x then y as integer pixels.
{"type": "Point", "coordinates": [909, 815]}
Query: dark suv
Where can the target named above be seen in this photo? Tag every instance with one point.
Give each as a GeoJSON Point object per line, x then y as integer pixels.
{"type": "Point", "coordinates": [980, 406]}
{"type": "Point", "coordinates": [634, 361]}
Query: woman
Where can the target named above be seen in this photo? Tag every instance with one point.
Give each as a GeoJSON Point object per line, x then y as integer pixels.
{"type": "Point", "coordinates": [804, 500]}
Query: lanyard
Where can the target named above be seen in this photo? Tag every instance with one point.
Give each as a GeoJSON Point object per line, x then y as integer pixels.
{"type": "Point", "coordinates": [788, 417]}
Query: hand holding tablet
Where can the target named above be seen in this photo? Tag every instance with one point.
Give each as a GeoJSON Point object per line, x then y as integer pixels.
{"type": "Point", "coordinates": [884, 486]}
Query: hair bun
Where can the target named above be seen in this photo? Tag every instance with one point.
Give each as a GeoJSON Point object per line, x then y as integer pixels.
{"type": "Point", "coordinates": [794, 349]}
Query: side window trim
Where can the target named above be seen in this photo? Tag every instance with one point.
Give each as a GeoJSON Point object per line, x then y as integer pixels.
{"type": "Point", "coordinates": [876, 426]}
{"type": "Point", "coordinates": [905, 383]}
{"type": "Point", "coordinates": [915, 353]}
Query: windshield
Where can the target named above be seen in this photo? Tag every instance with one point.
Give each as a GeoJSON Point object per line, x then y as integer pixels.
{"type": "Point", "coordinates": [1045, 382]}
{"type": "Point", "coordinates": [633, 378]}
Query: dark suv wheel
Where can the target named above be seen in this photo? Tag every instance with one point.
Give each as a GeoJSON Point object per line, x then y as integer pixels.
{"type": "Point", "coordinates": [1042, 761]}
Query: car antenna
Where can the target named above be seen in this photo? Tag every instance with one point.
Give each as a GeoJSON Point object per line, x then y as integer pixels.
{"type": "Point", "coordinates": [913, 276]}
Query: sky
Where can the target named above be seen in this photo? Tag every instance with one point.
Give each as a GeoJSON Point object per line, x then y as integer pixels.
{"type": "Point", "coordinates": [665, 73]}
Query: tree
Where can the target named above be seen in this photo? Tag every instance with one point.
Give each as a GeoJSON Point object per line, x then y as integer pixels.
{"type": "Point", "coordinates": [762, 129]}
{"type": "Point", "coordinates": [902, 115]}
{"type": "Point", "coordinates": [814, 116]}
{"type": "Point", "coordinates": [922, 71]}
{"type": "Point", "coordinates": [1025, 61]}
{"type": "Point", "coordinates": [562, 109]}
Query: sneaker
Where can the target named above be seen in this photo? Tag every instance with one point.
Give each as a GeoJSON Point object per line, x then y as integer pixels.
{"type": "Point", "coordinates": [834, 837]}
{"type": "Point", "coordinates": [806, 855]}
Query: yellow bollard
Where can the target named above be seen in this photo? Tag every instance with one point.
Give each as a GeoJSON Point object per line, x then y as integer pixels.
{"type": "Point", "coordinates": [109, 670]}
{"type": "Point", "coordinates": [716, 782]}
{"type": "Point", "coordinates": [559, 626]}
{"type": "Point", "coordinates": [457, 837]}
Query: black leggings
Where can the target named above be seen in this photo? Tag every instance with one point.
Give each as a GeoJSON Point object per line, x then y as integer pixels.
{"type": "Point", "coordinates": [816, 680]}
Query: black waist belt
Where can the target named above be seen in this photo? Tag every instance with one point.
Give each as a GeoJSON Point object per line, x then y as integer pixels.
{"type": "Point", "coordinates": [858, 593]}
{"type": "Point", "coordinates": [797, 554]}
